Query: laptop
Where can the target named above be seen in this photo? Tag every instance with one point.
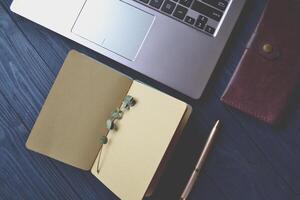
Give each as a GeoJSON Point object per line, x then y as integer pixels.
{"type": "Point", "coordinates": [176, 42]}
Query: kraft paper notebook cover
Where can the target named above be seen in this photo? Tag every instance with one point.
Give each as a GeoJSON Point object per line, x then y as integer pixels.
{"type": "Point", "coordinates": [73, 119]}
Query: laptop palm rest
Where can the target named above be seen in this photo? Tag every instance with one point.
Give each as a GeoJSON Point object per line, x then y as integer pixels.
{"type": "Point", "coordinates": [114, 25]}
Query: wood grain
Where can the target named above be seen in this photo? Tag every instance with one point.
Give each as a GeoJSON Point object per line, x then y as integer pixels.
{"type": "Point", "coordinates": [22, 71]}
{"type": "Point", "coordinates": [250, 161]}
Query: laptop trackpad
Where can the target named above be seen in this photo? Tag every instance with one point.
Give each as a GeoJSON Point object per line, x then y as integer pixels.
{"type": "Point", "coordinates": [114, 25]}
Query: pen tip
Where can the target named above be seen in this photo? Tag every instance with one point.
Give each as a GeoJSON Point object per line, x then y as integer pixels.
{"type": "Point", "coordinates": [217, 124]}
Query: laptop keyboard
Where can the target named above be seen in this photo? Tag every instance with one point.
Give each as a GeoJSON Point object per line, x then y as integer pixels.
{"type": "Point", "coordinates": [203, 15]}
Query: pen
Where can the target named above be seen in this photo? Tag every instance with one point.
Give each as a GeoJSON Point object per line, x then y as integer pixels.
{"type": "Point", "coordinates": [195, 174]}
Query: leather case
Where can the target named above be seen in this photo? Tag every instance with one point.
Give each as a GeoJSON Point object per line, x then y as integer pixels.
{"type": "Point", "coordinates": [269, 69]}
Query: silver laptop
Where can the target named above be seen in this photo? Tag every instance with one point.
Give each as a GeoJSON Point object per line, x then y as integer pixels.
{"type": "Point", "coordinates": [176, 42]}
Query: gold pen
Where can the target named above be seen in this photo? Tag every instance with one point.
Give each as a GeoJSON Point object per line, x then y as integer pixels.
{"type": "Point", "coordinates": [195, 174]}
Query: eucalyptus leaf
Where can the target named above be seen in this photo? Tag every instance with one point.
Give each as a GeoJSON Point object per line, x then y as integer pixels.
{"type": "Point", "coordinates": [110, 124]}
{"type": "Point", "coordinates": [103, 140]}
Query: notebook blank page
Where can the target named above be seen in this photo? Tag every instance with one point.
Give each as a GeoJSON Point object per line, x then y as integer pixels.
{"type": "Point", "coordinates": [135, 150]}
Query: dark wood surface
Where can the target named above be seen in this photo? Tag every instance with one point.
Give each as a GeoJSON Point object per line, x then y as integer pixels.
{"type": "Point", "coordinates": [250, 160]}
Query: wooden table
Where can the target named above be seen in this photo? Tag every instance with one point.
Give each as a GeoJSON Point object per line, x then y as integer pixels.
{"type": "Point", "coordinates": [250, 160]}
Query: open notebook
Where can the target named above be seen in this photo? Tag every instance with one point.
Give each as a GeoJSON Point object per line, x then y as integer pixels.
{"type": "Point", "coordinates": [73, 120]}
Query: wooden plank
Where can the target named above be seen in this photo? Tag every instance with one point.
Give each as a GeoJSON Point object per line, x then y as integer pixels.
{"type": "Point", "coordinates": [253, 149]}
{"type": "Point", "coordinates": [203, 185]}
{"type": "Point", "coordinates": [238, 167]}
{"type": "Point", "coordinates": [31, 120]}
{"type": "Point", "coordinates": [25, 81]}
{"type": "Point", "coordinates": [36, 33]}
{"type": "Point", "coordinates": [13, 84]}
{"type": "Point", "coordinates": [24, 175]}
{"type": "Point", "coordinates": [27, 30]}
{"type": "Point", "coordinates": [279, 145]}
{"type": "Point", "coordinates": [237, 164]}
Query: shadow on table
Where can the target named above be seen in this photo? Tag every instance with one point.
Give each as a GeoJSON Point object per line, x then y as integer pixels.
{"type": "Point", "coordinates": [180, 166]}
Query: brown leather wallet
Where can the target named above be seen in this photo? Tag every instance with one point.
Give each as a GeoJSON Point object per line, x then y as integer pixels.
{"type": "Point", "coordinates": [269, 70]}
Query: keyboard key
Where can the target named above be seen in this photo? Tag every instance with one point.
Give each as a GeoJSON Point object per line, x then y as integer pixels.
{"type": "Point", "coordinates": [210, 30]}
{"type": "Point", "coordinates": [156, 3]}
{"type": "Point", "coordinates": [220, 4]}
{"type": "Point", "coordinates": [181, 9]}
{"type": "Point", "coordinates": [203, 19]}
{"type": "Point", "coordinates": [145, 1]}
{"type": "Point", "coordinates": [168, 6]}
{"type": "Point", "coordinates": [186, 3]}
{"type": "Point", "coordinates": [180, 12]}
{"type": "Point", "coordinates": [207, 10]}
{"type": "Point", "coordinates": [190, 20]}
{"type": "Point", "coordinates": [200, 24]}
